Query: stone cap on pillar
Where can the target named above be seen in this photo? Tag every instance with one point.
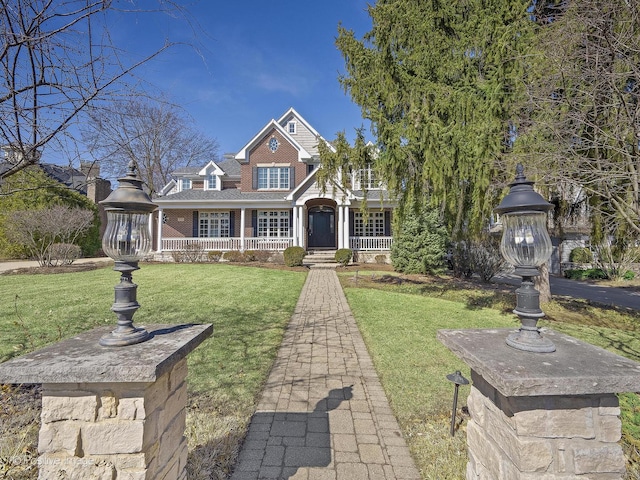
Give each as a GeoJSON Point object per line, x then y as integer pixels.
{"type": "Point", "coordinates": [81, 359]}
{"type": "Point", "coordinates": [575, 368]}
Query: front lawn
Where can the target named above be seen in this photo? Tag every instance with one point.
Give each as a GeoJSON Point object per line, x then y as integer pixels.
{"type": "Point", "coordinates": [399, 317]}
{"type": "Point", "coordinates": [249, 308]}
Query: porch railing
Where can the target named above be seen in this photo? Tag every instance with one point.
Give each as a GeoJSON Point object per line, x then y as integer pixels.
{"type": "Point", "coordinates": [263, 243]}
{"type": "Point", "coordinates": [370, 243]}
{"type": "Point", "coordinates": [227, 244]}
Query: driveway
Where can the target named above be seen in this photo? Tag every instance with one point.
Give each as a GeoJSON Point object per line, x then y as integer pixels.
{"type": "Point", "coordinates": [618, 297]}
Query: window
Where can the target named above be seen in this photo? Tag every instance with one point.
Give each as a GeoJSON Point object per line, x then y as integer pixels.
{"type": "Point", "coordinates": [310, 167]}
{"type": "Point", "coordinates": [291, 127]}
{"type": "Point", "coordinates": [273, 178]}
{"type": "Point", "coordinates": [366, 179]}
{"type": "Point", "coordinates": [185, 184]}
{"type": "Point", "coordinates": [212, 182]}
{"type": "Point", "coordinates": [374, 227]}
{"type": "Point", "coordinates": [214, 224]}
{"type": "Point", "coordinates": [273, 223]}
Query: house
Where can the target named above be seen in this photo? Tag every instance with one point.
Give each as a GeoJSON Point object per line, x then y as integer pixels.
{"type": "Point", "coordinates": [266, 197]}
{"type": "Point", "coordinates": [86, 181]}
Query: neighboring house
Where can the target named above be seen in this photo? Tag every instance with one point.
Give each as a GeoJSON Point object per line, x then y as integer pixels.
{"type": "Point", "coordinates": [86, 181]}
{"type": "Point", "coordinates": [265, 197]}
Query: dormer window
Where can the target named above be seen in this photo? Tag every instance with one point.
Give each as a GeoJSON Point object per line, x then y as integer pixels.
{"type": "Point", "coordinates": [212, 182]}
{"type": "Point", "coordinates": [185, 184]}
{"type": "Point", "coordinates": [291, 127]}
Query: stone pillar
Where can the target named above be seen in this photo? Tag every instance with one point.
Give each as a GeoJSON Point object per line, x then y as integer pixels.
{"type": "Point", "coordinates": [112, 412]}
{"type": "Point", "coordinates": [542, 415]}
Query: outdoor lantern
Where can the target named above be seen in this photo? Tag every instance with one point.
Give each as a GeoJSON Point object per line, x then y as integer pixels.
{"type": "Point", "coordinates": [526, 245]}
{"type": "Point", "coordinates": [127, 240]}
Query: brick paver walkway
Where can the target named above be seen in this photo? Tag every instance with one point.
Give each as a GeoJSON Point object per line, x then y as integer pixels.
{"type": "Point", "coordinates": [323, 413]}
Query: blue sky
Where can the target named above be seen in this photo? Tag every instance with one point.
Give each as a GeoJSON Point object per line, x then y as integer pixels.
{"type": "Point", "coordinates": [253, 60]}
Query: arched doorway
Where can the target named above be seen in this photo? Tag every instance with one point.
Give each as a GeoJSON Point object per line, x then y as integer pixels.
{"type": "Point", "coordinates": [322, 227]}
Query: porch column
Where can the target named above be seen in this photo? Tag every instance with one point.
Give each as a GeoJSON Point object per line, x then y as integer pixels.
{"type": "Point", "coordinates": [340, 226]}
{"type": "Point", "coordinates": [159, 239]}
{"type": "Point", "coordinates": [242, 219]}
{"type": "Point", "coordinates": [294, 227]}
{"type": "Point", "coordinates": [346, 227]}
{"type": "Point", "coordinates": [301, 226]}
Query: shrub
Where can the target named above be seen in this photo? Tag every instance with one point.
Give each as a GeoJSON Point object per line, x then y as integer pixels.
{"type": "Point", "coordinates": [343, 256]}
{"type": "Point", "coordinates": [193, 252]}
{"type": "Point", "coordinates": [380, 259]}
{"type": "Point", "coordinates": [628, 275]}
{"type": "Point", "coordinates": [234, 256]}
{"type": "Point", "coordinates": [262, 256]}
{"type": "Point", "coordinates": [293, 256]}
{"type": "Point", "coordinates": [587, 274]}
{"type": "Point", "coordinates": [460, 259]}
{"type": "Point", "coordinates": [63, 254]}
{"type": "Point", "coordinates": [214, 255]}
{"type": "Point", "coordinates": [486, 259]}
{"type": "Point", "coordinates": [581, 255]}
{"type": "Point", "coordinates": [249, 256]}
{"type": "Point", "coordinates": [420, 245]}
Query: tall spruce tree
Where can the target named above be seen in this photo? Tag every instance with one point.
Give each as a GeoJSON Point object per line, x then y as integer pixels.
{"type": "Point", "coordinates": [437, 80]}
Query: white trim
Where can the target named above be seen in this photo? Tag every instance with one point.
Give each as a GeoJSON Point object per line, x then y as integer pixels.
{"type": "Point", "coordinates": [243, 155]}
{"type": "Point", "coordinates": [345, 240]}
{"type": "Point", "coordinates": [159, 239]}
{"type": "Point", "coordinates": [242, 220]}
{"type": "Point", "coordinates": [340, 226]}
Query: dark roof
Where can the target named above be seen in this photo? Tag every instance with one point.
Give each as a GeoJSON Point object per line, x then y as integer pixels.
{"type": "Point", "coordinates": [228, 194]}
{"type": "Point", "coordinates": [66, 175]}
{"type": "Point", "coordinates": [229, 166]}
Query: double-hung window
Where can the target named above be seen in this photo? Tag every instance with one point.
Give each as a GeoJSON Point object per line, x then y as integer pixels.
{"type": "Point", "coordinates": [273, 223]}
{"type": "Point", "coordinates": [214, 224]}
{"type": "Point", "coordinates": [212, 182]}
{"type": "Point", "coordinates": [273, 178]}
{"type": "Point", "coordinates": [185, 184]}
{"type": "Point", "coordinates": [372, 227]}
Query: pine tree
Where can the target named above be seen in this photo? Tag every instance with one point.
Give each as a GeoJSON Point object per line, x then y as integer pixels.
{"type": "Point", "coordinates": [437, 81]}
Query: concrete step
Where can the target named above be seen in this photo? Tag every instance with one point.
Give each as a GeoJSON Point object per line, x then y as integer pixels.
{"type": "Point", "coordinates": [319, 256]}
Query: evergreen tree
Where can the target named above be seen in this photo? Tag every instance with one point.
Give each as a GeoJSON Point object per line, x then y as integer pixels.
{"type": "Point", "coordinates": [437, 80]}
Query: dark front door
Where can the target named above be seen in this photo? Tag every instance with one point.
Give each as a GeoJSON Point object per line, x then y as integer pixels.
{"type": "Point", "coordinates": [322, 227]}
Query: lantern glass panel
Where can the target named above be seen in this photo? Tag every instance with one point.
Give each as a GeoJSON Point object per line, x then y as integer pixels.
{"type": "Point", "coordinates": [525, 239]}
{"type": "Point", "coordinates": [127, 237]}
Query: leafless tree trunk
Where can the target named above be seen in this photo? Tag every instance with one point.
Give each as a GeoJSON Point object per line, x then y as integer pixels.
{"type": "Point", "coordinates": [57, 59]}
{"type": "Point", "coordinates": [158, 136]}
{"type": "Point", "coordinates": [584, 123]}
{"type": "Point", "coordinates": [542, 284]}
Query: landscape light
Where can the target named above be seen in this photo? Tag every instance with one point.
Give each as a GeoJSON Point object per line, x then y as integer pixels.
{"type": "Point", "coordinates": [127, 240]}
{"type": "Point", "coordinates": [526, 245]}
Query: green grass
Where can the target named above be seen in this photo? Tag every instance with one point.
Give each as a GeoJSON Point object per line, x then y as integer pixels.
{"type": "Point", "coordinates": [399, 318]}
{"type": "Point", "coordinates": [249, 308]}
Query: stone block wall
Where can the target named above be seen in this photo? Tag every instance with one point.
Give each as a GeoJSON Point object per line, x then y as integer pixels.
{"type": "Point", "coordinates": [542, 437]}
{"type": "Point", "coordinates": [132, 431]}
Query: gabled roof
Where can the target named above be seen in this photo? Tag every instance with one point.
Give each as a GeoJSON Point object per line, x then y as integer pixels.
{"type": "Point", "coordinates": [66, 175]}
{"type": "Point", "coordinates": [227, 166]}
{"type": "Point", "coordinates": [291, 114]}
{"type": "Point", "coordinates": [211, 167]}
{"type": "Point", "coordinates": [242, 155]}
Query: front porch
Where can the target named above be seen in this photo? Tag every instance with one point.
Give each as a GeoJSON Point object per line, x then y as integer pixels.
{"type": "Point", "coordinates": [371, 244]}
